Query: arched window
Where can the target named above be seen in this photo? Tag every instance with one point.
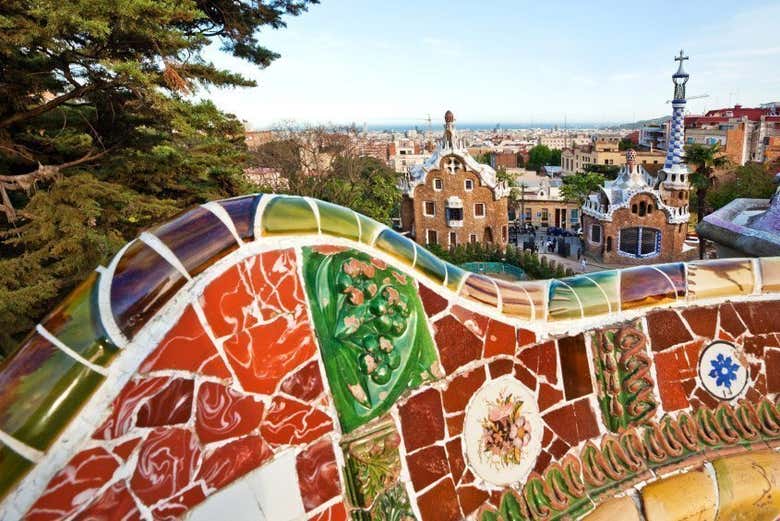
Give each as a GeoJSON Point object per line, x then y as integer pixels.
{"type": "Point", "coordinates": [642, 208]}
{"type": "Point", "coordinates": [633, 208]}
{"type": "Point", "coordinates": [649, 209]}
{"type": "Point", "coordinates": [639, 242]}
{"type": "Point", "coordinates": [680, 195]}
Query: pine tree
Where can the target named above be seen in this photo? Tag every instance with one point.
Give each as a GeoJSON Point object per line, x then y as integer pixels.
{"type": "Point", "coordinates": [100, 135]}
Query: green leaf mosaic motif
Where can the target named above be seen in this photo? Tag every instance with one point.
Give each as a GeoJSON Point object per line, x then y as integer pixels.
{"type": "Point", "coordinates": [372, 332]}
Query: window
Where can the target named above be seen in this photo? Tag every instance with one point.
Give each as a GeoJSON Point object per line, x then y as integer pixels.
{"type": "Point", "coordinates": [454, 214]}
{"type": "Point", "coordinates": [649, 209]}
{"type": "Point", "coordinates": [680, 195]}
{"type": "Point", "coordinates": [528, 215]}
{"type": "Point", "coordinates": [437, 184]}
{"type": "Point", "coordinates": [432, 237]}
{"type": "Point", "coordinates": [633, 208]}
{"type": "Point", "coordinates": [642, 208]}
{"type": "Point", "coordinates": [453, 239]}
{"type": "Point", "coordinates": [575, 215]}
{"type": "Point", "coordinates": [473, 238]}
{"type": "Point", "coordinates": [479, 210]}
{"type": "Point", "coordinates": [595, 233]}
{"type": "Point", "coordinates": [639, 241]}
{"type": "Point", "coordinates": [469, 185]}
{"type": "Point", "coordinates": [429, 209]}
{"type": "Point", "coordinates": [545, 215]}
{"type": "Point", "coordinates": [504, 232]}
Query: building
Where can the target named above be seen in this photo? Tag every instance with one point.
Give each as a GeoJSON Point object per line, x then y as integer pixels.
{"type": "Point", "coordinates": [654, 137]}
{"type": "Point", "coordinates": [640, 217]}
{"type": "Point", "coordinates": [539, 203]}
{"type": "Point", "coordinates": [603, 151]}
{"type": "Point", "coordinates": [255, 138]}
{"type": "Point", "coordinates": [744, 134]}
{"type": "Point", "coordinates": [452, 199]}
{"type": "Point", "coordinates": [405, 154]}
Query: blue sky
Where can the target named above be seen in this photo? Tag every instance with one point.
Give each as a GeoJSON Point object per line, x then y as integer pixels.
{"type": "Point", "coordinates": [506, 61]}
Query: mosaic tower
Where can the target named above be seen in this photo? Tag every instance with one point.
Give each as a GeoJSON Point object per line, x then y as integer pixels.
{"type": "Point", "coordinates": [674, 167]}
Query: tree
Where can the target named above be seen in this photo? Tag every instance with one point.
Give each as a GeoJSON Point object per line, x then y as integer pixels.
{"type": "Point", "coordinates": [555, 157]}
{"type": "Point", "coordinates": [625, 144]}
{"type": "Point", "coordinates": [752, 180]}
{"type": "Point", "coordinates": [98, 135]}
{"type": "Point", "coordinates": [576, 187]}
{"type": "Point", "coordinates": [705, 159]}
{"type": "Point", "coordinates": [539, 156]}
{"type": "Point", "coordinates": [325, 163]}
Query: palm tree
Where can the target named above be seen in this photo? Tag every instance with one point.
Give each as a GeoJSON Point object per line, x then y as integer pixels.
{"type": "Point", "coordinates": [705, 159]}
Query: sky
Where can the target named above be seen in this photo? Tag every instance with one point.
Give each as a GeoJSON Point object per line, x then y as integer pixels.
{"type": "Point", "coordinates": [504, 61]}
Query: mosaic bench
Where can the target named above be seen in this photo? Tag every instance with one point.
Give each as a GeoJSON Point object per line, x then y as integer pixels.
{"type": "Point", "coordinates": [275, 357]}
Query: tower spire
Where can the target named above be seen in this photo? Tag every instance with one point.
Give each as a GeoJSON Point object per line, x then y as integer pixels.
{"type": "Point", "coordinates": [674, 166]}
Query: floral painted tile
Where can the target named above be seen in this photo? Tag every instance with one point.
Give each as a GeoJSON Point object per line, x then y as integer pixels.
{"type": "Point", "coordinates": [722, 370]}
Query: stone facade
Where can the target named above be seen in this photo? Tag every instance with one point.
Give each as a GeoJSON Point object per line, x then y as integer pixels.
{"type": "Point", "coordinates": [452, 199]}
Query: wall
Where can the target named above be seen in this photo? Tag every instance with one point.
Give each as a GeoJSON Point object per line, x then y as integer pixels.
{"type": "Point", "coordinates": [276, 358]}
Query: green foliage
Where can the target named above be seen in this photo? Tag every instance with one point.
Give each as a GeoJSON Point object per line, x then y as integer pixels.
{"type": "Point", "coordinates": [542, 155]}
{"type": "Point", "coordinates": [625, 144]}
{"type": "Point", "coordinates": [608, 171]}
{"type": "Point", "coordinates": [534, 266]}
{"type": "Point", "coordinates": [577, 187]}
{"type": "Point", "coordinates": [98, 137]}
{"type": "Point", "coordinates": [483, 158]}
{"type": "Point", "coordinates": [752, 180]}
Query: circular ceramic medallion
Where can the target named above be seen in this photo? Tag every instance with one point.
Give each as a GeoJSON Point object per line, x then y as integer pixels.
{"type": "Point", "coordinates": [502, 431]}
{"type": "Point", "coordinates": [721, 370]}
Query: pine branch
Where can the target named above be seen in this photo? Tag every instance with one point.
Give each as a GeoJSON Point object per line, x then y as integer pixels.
{"type": "Point", "coordinates": [42, 109]}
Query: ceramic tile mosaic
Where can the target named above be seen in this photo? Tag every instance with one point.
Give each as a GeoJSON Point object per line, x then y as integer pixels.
{"type": "Point", "coordinates": [275, 357]}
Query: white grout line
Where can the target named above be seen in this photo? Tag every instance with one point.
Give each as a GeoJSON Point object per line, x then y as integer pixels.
{"type": "Point", "coordinates": [220, 213]}
{"type": "Point", "coordinates": [316, 211]}
{"type": "Point", "coordinates": [164, 251]}
{"type": "Point", "coordinates": [21, 448]}
{"type": "Point", "coordinates": [579, 302]}
{"type": "Point", "coordinates": [606, 298]}
{"type": "Point", "coordinates": [671, 284]}
{"type": "Point", "coordinates": [68, 351]}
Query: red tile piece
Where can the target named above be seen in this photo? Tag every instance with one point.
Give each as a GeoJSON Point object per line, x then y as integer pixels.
{"type": "Point", "coordinates": [75, 485]}
{"type": "Point", "coordinates": [304, 384]}
{"type": "Point", "coordinates": [226, 302]}
{"type": "Point", "coordinates": [171, 406]}
{"type": "Point", "coordinates": [673, 395]}
{"type": "Point", "coordinates": [290, 422]}
{"type": "Point", "coordinates": [525, 337]}
{"type": "Point", "coordinates": [318, 474]}
{"type": "Point", "coordinates": [665, 329]}
{"type": "Point", "coordinates": [166, 464]}
{"type": "Point", "coordinates": [115, 503]}
{"type": "Point", "coordinates": [559, 448]}
{"type": "Point", "coordinates": [575, 370]}
{"type": "Point", "coordinates": [772, 361]}
{"type": "Point", "coordinates": [177, 506]}
{"type": "Point", "coordinates": [228, 462]}
{"type": "Point", "coordinates": [432, 302]}
{"type": "Point", "coordinates": [563, 422]}
{"type": "Point", "coordinates": [274, 277]}
{"type": "Point", "coordinates": [461, 389]}
{"type": "Point", "coordinates": [125, 406]}
{"type": "Point", "coordinates": [422, 421]}
{"type": "Point", "coordinates": [186, 347]}
{"type": "Point", "coordinates": [123, 450]}
{"type": "Point", "coordinates": [455, 424]}
{"type": "Point", "coordinates": [335, 513]}
{"type": "Point", "coordinates": [427, 465]}
{"type": "Point", "coordinates": [455, 458]}
{"type": "Point", "coordinates": [500, 339]}
{"type": "Point", "coordinates": [702, 321]}
{"type": "Point", "coordinates": [500, 367]}
{"type": "Point", "coordinates": [471, 498]}
{"type": "Point", "coordinates": [456, 343]}
{"type": "Point", "coordinates": [475, 322]}
{"type": "Point", "coordinates": [222, 413]}
{"type": "Point", "coordinates": [542, 359]}
{"type": "Point", "coordinates": [587, 424]}
{"type": "Point", "coordinates": [760, 317]}
{"type": "Point", "coordinates": [525, 376]}
{"type": "Point", "coordinates": [730, 321]}
{"type": "Point", "coordinates": [548, 396]}
{"type": "Point", "coordinates": [440, 503]}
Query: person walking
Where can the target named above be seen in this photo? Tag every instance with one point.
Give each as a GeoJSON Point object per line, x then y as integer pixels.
{"type": "Point", "coordinates": [584, 265]}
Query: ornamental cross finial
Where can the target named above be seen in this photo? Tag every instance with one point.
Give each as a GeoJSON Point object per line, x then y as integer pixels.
{"type": "Point", "coordinates": [681, 57]}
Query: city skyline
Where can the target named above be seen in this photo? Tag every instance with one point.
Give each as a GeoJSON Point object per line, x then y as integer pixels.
{"type": "Point", "coordinates": [350, 62]}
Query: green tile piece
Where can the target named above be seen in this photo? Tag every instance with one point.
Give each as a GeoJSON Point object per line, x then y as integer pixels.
{"type": "Point", "coordinates": [372, 332]}
{"type": "Point", "coordinates": [430, 265]}
{"type": "Point", "coordinates": [395, 244]}
{"type": "Point", "coordinates": [43, 388]}
{"type": "Point", "coordinates": [562, 303]}
{"type": "Point", "coordinates": [369, 229]}
{"type": "Point", "coordinates": [288, 215]}
{"type": "Point", "coordinates": [12, 468]}
{"type": "Point", "coordinates": [76, 323]}
{"type": "Point", "coordinates": [455, 276]}
{"type": "Point", "coordinates": [337, 220]}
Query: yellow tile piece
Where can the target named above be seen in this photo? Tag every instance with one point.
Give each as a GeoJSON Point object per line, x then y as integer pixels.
{"type": "Point", "coordinates": [685, 497]}
{"type": "Point", "coordinates": [749, 486]}
{"type": "Point", "coordinates": [622, 508]}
